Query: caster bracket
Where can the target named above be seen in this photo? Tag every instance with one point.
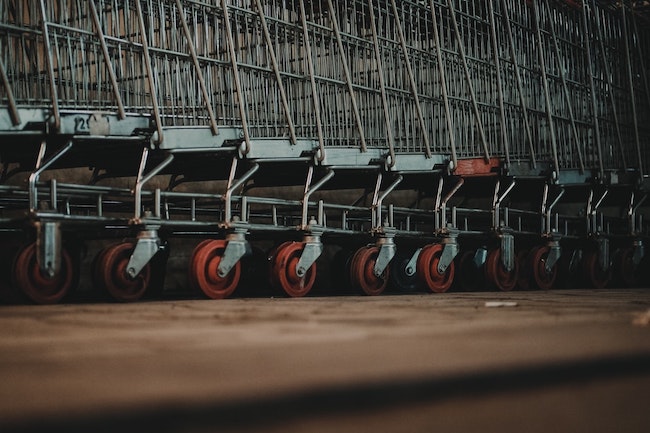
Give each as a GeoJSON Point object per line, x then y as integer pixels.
{"type": "Point", "coordinates": [387, 251]}
{"type": "Point", "coordinates": [449, 252]}
{"type": "Point", "coordinates": [49, 247]}
{"type": "Point", "coordinates": [554, 255]}
{"type": "Point", "coordinates": [312, 250]}
{"type": "Point", "coordinates": [236, 248]}
{"type": "Point", "coordinates": [555, 252]}
{"type": "Point", "coordinates": [411, 266]}
{"type": "Point", "coordinates": [507, 251]}
{"type": "Point", "coordinates": [147, 245]}
{"type": "Point", "coordinates": [310, 253]}
{"type": "Point", "coordinates": [603, 253]}
{"type": "Point", "coordinates": [480, 257]}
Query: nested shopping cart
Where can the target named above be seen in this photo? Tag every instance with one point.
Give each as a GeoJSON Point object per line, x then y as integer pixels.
{"type": "Point", "coordinates": [427, 143]}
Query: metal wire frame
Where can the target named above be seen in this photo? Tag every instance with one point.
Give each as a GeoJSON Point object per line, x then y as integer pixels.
{"type": "Point", "coordinates": [525, 81]}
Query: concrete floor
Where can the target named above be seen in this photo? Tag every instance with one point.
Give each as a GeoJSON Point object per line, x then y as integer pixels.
{"type": "Point", "coordinates": [568, 361]}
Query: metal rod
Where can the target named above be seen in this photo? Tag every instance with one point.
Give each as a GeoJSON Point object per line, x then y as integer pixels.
{"type": "Point", "coordinates": [610, 88]}
{"type": "Point", "coordinates": [438, 204]}
{"type": "Point", "coordinates": [592, 86]}
{"type": "Point", "coordinates": [443, 87]}
{"type": "Point", "coordinates": [143, 179]}
{"type": "Point", "coordinates": [380, 199]}
{"type": "Point", "coordinates": [276, 70]}
{"type": "Point", "coordinates": [235, 72]}
{"type": "Point", "coordinates": [150, 75]}
{"type": "Point", "coordinates": [547, 94]}
{"type": "Point", "coordinates": [107, 60]}
{"type": "Point", "coordinates": [232, 186]}
{"type": "Point", "coordinates": [197, 68]}
{"type": "Point", "coordinates": [565, 89]}
{"type": "Point", "coordinates": [157, 203]}
{"type": "Point", "coordinates": [411, 77]}
{"type": "Point", "coordinates": [628, 62]}
{"type": "Point", "coordinates": [463, 57]}
{"type": "Point", "coordinates": [40, 157]}
{"type": "Point", "coordinates": [549, 210]}
{"type": "Point", "coordinates": [309, 191]}
{"type": "Point", "coordinates": [520, 86]}
{"type": "Point", "coordinates": [348, 75]}
{"type": "Point", "coordinates": [13, 111]}
{"type": "Point", "coordinates": [50, 68]}
{"type": "Point", "coordinates": [443, 204]}
{"type": "Point", "coordinates": [497, 66]}
{"type": "Point", "coordinates": [312, 80]}
{"type": "Point", "coordinates": [498, 200]}
{"type": "Point", "coordinates": [382, 85]}
{"type": "Point", "coordinates": [36, 174]}
{"type": "Point", "coordinates": [53, 195]}
{"type": "Point", "coordinates": [642, 64]}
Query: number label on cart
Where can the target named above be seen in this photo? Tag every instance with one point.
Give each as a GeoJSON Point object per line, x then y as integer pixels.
{"type": "Point", "coordinates": [81, 125]}
{"type": "Point", "coordinates": [93, 124]}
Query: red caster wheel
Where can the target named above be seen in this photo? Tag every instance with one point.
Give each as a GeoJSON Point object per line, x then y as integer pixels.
{"type": "Point", "coordinates": [96, 266]}
{"type": "Point", "coordinates": [594, 275]}
{"type": "Point", "coordinates": [623, 264]}
{"type": "Point", "coordinates": [283, 270]}
{"type": "Point", "coordinates": [496, 273]}
{"type": "Point", "coordinates": [537, 261]}
{"type": "Point", "coordinates": [204, 266]}
{"type": "Point", "coordinates": [272, 255]}
{"type": "Point", "coordinates": [427, 269]}
{"type": "Point", "coordinates": [112, 275]}
{"type": "Point", "coordinates": [362, 272]}
{"type": "Point", "coordinates": [191, 274]}
{"type": "Point", "coordinates": [39, 288]}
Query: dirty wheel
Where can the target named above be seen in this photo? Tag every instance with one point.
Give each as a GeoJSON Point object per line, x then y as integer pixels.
{"type": "Point", "coordinates": [427, 268]}
{"type": "Point", "coordinates": [496, 273]}
{"type": "Point", "coordinates": [362, 272]}
{"type": "Point", "coordinates": [39, 288]}
{"type": "Point", "coordinates": [272, 256]}
{"type": "Point", "coordinates": [204, 270]}
{"type": "Point", "coordinates": [537, 261]}
{"type": "Point", "coordinates": [624, 269]}
{"type": "Point", "coordinates": [402, 278]}
{"type": "Point", "coordinates": [284, 273]}
{"type": "Point", "coordinates": [595, 276]}
{"type": "Point", "coordinates": [96, 266]}
{"type": "Point", "coordinates": [112, 272]}
{"type": "Point", "coordinates": [191, 274]}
